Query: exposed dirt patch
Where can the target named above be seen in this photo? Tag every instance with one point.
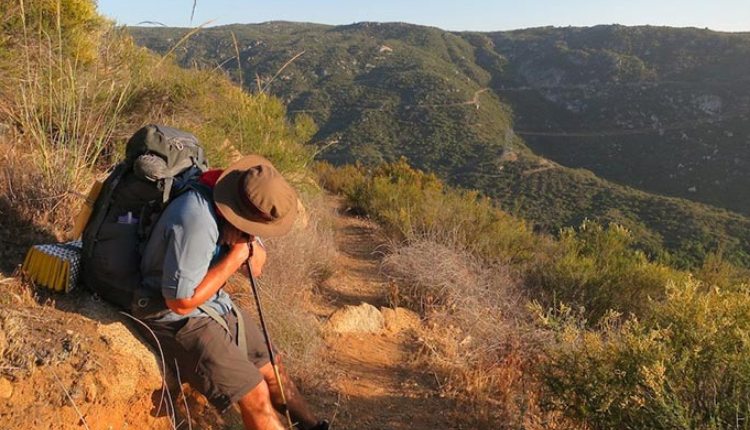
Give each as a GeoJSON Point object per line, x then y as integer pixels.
{"type": "Point", "coordinates": [73, 364]}
{"type": "Point", "coordinates": [375, 382]}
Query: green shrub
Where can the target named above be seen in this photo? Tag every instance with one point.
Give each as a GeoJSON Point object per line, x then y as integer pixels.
{"type": "Point", "coordinates": [687, 366]}
{"type": "Point", "coordinates": [342, 180]}
{"type": "Point", "coordinates": [716, 271]}
{"type": "Point", "coordinates": [596, 268]}
{"type": "Point", "coordinates": [412, 204]}
{"type": "Point", "coordinates": [227, 120]}
{"type": "Point", "coordinates": [70, 25]}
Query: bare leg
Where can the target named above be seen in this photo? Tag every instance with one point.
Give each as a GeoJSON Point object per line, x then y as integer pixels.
{"type": "Point", "coordinates": [257, 411]}
{"type": "Point", "coordinates": [298, 407]}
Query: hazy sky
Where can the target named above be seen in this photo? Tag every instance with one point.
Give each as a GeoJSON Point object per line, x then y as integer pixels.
{"type": "Point", "coordinates": [725, 15]}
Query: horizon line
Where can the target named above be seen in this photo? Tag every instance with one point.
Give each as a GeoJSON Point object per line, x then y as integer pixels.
{"type": "Point", "coordinates": [208, 24]}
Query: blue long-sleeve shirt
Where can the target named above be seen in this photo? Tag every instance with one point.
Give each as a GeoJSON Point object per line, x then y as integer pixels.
{"type": "Point", "coordinates": [181, 248]}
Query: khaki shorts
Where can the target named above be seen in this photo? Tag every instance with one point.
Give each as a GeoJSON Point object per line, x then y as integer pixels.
{"type": "Point", "coordinates": [209, 359]}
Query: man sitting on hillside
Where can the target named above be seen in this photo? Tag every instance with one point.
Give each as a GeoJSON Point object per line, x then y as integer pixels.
{"type": "Point", "coordinates": [196, 245]}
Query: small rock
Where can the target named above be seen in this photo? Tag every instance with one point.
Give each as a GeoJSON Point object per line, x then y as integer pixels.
{"type": "Point", "coordinates": [6, 389]}
{"type": "Point", "coordinates": [89, 388]}
{"type": "Point", "coordinates": [364, 318]}
{"type": "Point", "coordinates": [91, 392]}
{"type": "Point", "coordinates": [400, 319]}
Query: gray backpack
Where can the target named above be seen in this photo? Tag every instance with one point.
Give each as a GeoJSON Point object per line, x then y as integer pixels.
{"type": "Point", "coordinates": [160, 163]}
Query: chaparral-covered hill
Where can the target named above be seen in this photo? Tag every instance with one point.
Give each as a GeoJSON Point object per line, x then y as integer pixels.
{"type": "Point", "coordinates": [643, 126]}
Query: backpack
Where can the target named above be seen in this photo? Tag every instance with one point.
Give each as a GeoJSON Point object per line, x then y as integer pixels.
{"type": "Point", "coordinates": [160, 163]}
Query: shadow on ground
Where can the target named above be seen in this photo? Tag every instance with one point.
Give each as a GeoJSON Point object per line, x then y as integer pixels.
{"type": "Point", "coordinates": [17, 234]}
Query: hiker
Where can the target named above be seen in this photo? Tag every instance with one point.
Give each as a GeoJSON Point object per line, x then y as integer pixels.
{"type": "Point", "coordinates": [198, 242]}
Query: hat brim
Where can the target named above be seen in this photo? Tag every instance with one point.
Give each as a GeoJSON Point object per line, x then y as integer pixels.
{"type": "Point", "coordinates": [229, 203]}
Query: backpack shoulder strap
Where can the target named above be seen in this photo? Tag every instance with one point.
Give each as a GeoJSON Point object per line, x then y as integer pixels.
{"type": "Point", "coordinates": [150, 213]}
{"type": "Point", "coordinates": [202, 189]}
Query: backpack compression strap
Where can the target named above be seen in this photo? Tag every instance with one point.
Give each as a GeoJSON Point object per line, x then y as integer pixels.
{"type": "Point", "coordinates": [214, 315]}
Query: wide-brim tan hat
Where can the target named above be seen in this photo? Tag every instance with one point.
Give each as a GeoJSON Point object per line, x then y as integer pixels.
{"type": "Point", "coordinates": [253, 196]}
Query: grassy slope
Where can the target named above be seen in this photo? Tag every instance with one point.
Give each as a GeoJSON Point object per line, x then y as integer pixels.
{"type": "Point", "coordinates": [71, 101]}
{"type": "Point", "coordinates": [364, 97]}
{"type": "Point", "coordinates": [414, 99]}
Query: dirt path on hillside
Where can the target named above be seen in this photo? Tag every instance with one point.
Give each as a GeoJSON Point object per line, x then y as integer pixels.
{"type": "Point", "coordinates": [375, 378]}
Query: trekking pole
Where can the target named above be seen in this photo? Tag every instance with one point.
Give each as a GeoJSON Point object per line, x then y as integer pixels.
{"type": "Point", "coordinates": [276, 373]}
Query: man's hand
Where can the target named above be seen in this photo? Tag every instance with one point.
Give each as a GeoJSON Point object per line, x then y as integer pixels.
{"type": "Point", "coordinates": [257, 257]}
{"type": "Point", "coordinates": [245, 247]}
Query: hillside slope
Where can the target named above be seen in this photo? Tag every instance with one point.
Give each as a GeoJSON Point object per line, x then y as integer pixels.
{"type": "Point", "coordinates": [661, 109]}
{"type": "Point", "coordinates": [377, 92]}
{"type": "Point", "coordinates": [75, 88]}
{"type": "Point", "coordinates": [658, 110]}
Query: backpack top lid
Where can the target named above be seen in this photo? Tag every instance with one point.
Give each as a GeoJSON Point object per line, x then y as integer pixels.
{"type": "Point", "coordinates": [178, 149]}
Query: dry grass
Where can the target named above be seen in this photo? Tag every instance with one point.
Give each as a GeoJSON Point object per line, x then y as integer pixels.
{"type": "Point", "coordinates": [14, 357]}
{"type": "Point", "coordinates": [477, 336]}
{"type": "Point", "coordinates": [19, 311]}
{"type": "Point", "coordinates": [61, 102]}
{"type": "Point", "coordinates": [30, 212]}
{"type": "Point", "coordinates": [64, 108]}
{"type": "Point", "coordinates": [305, 254]}
{"type": "Point", "coordinates": [296, 263]}
{"type": "Point", "coordinates": [26, 198]}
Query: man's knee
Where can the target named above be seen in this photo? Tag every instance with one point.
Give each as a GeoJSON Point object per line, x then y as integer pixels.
{"type": "Point", "coordinates": [257, 400]}
{"type": "Point", "coordinates": [267, 370]}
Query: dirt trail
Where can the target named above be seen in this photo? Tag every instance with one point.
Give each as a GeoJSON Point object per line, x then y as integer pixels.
{"type": "Point", "coordinates": [375, 377]}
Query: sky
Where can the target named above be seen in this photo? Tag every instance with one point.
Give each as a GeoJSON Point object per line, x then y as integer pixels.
{"type": "Point", "coordinates": [478, 15]}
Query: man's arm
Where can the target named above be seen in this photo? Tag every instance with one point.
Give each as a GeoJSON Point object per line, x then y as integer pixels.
{"type": "Point", "coordinates": [216, 276]}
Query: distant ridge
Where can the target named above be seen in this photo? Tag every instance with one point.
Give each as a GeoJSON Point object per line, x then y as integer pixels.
{"type": "Point", "coordinates": [658, 109]}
